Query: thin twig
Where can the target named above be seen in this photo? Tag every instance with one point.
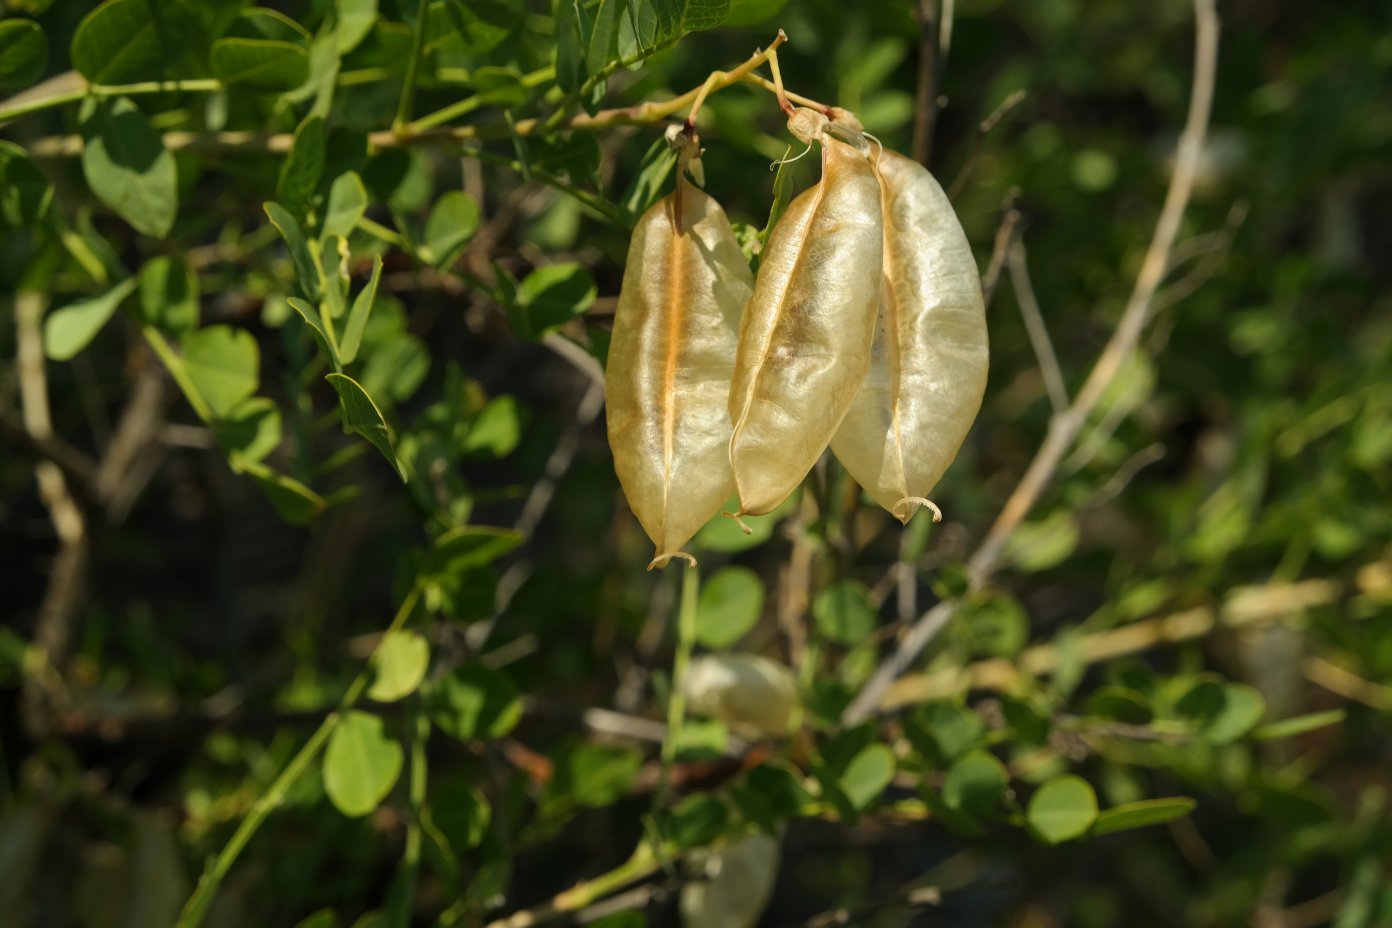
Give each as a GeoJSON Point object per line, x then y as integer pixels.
{"type": "Point", "coordinates": [983, 129]}
{"type": "Point", "coordinates": [1018, 263]}
{"type": "Point", "coordinates": [1064, 428]}
{"type": "Point", "coordinates": [1005, 235]}
{"type": "Point", "coordinates": [926, 94]}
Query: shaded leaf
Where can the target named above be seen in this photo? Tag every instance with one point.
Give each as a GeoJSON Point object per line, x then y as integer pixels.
{"type": "Point", "coordinates": [468, 546]}
{"type": "Point", "coordinates": [302, 167]}
{"type": "Point", "coordinates": [305, 273]}
{"type": "Point", "coordinates": [496, 430]}
{"type": "Point", "coordinates": [23, 52]}
{"type": "Point", "coordinates": [361, 415]}
{"type": "Point", "coordinates": [552, 295]}
{"type": "Point", "coordinates": [252, 430]}
{"type": "Point", "coordinates": [260, 64]}
{"type": "Point", "coordinates": [475, 702]}
{"type": "Point", "coordinates": [123, 41]}
{"type": "Point", "coordinates": [843, 612]}
{"type": "Point", "coordinates": [355, 21]}
{"type": "Point", "coordinates": [975, 783]}
{"type": "Point", "coordinates": [169, 295]}
{"type": "Point", "coordinates": [453, 221]}
{"type": "Point", "coordinates": [867, 775]}
{"type": "Point", "coordinates": [127, 166]}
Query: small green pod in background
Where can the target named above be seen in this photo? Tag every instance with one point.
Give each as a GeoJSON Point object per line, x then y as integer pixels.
{"type": "Point", "coordinates": [805, 338]}
{"type": "Point", "coordinates": [670, 363]}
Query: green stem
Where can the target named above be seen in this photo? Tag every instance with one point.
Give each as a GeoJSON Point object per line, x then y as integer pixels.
{"type": "Point", "coordinates": [469, 104]}
{"type": "Point", "coordinates": [196, 909]}
{"type": "Point", "coordinates": [416, 811]}
{"type": "Point", "coordinates": [681, 662]}
{"type": "Point", "coordinates": [408, 88]}
{"type": "Point", "coordinates": [202, 85]}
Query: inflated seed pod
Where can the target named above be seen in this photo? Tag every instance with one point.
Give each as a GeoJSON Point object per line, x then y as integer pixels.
{"type": "Point", "coordinates": [805, 337]}
{"type": "Point", "coordinates": [929, 358]}
{"type": "Point", "coordinates": [670, 362]}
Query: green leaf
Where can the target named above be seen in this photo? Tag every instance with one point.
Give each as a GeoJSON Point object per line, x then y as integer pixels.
{"type": "Point", "coordinates": [123, 41]}
{"type": "Point", "coordinates": [260, 64]}
{"type": "Point", "coordinates": [1062, 809]}
{"type": "Point", "coordinates": [570, 45]}
{"type": "Point", "coordinates": [723, 534]}
{"type": "Point", "coordinates": [696, 821]}
{"type": "Point", "coordinates": [1221, 712]}
{"type": "Point", "coordinates": [127, 166]}
{"type": "Point", "coordinates": [361, 415]}
{"type": "Point", "coordinates": [843, 612]}
{"type": "Point", "coordinates": [260, 22]}
{"type": "Point", "coordinates": [1140, 814]}
{"type": "Point", "coordinates": [251, 431]}
{"type": "Point", "coordinates": [300, 172]}
{"type": "Point", "coordinates": [346, 205]}
{"type": "Point", "coordinates": [453, 221]}
{"type": "Point", "coordinates": [591, 775]}
{"type": "Point", "coordinates": [604, 39]}
{"type": "Point", "coordinates": [469, 27]}
{"type": "Point", "coordinates": [361, 764]}
{"type": "Point", "coordinates": [729, 605]}
{"type": "Point", "coordinates": [496, 430]}
{"type": "Point", "coordinates": [995, 623]}
{"type": "Point", "coordinates": [647, 182]}
{"type": "Point", "coordinates": [223, 364]}
{"type": "Point", "coordinates": [783, 184]}
{"type": "Point", "coordinates": [941, 731]}
{"type": "Point", "coordinates": [311, 319]}
{"type": "Point", "coordinates": [23, 52]}
{"type": "Point", "coordinates": [68, 330]}
{"type": "Point", "coordinates": [300, 258]}
{"type": "Point", "coordinates": [753, 12]}
{"type": "Point", "coordinates": [25, 193]}
{"type": "Point", "coordinates": [324, 918]}
{"type": "Point", "coordinates": [169, 295]}
{"type": "Point", "coordinates": [468, 546]}
{"type": "Point", "coordinates": [398, 666]}
{"type": "Point", "coordinates": [461, 813]}
{"type": "Point", "coordinates": [1037, 546]}
{"type": "Point", "coordinates": [1287, 728]}
{"type": "Point", "coordinates": [1120, 704]}
{"type": "Point", "coordinates": [355, 21]}
{"type": "Point", "coordinates": [867, 775]}
{"type": "Point", "coordinates": [975, 784]}
{"type": "Point", "coordinates": [293, 501]}
{"type": "Point", "coordinates": [678, 17]}
{"type": "Point", "coordinates": [359, 314]}
{"type": "Point", "coordinates": [475, 702]}
{"type": "Point", "coordinates": [552, 295]}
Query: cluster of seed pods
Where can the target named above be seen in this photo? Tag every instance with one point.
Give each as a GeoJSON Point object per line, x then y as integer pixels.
{"type": "Point", "coordinates": [864, 332]}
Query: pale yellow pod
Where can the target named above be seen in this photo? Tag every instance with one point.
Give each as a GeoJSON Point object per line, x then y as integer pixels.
{"type": "Point", "coordinates": [805, 337]}
{"type": "Point", "coordinates": [671, 358]}
{"type": "Point", "coordinates": [929, 359]}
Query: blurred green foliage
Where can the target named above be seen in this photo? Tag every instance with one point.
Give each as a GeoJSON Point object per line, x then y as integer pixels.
{"type": "Point", "coordinates": [280, 260]}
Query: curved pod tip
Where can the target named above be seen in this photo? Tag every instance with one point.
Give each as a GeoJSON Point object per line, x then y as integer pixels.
{"type": "Point", "coordinates": [662, 560]}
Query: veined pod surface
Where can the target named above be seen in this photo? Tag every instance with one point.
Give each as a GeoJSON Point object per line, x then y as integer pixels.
{"type": "Point", "coordinates": [805, 338]}
{"type": "Point", "coordinates": [670, 362]}
{"type": "Point", "coordinates": [929, 357]}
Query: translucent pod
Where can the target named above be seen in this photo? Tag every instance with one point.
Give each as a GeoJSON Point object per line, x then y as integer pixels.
{"type": "Point", "coordinates": [929, 358]}
{"type": "Point", "coordinates": [805, 338]}
{"type": "Point", "coordinates": [670, 362]}
{"type": "Point", "coordinates": [756, 697]}
{"type": "Point", "coordinates": [737, 881]}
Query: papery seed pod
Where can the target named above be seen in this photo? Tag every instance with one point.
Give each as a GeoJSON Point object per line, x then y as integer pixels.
{"type": "Point", "coordinates": [756, 697]}
{"type": "Point", "coordinates": [734, 885]}
{"type": "Point", "coordinates": [805, 338]}
{"type": "Point", "coordinates": [929, 358]}
{"type": "Point", "coordinates": [670, 362]}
